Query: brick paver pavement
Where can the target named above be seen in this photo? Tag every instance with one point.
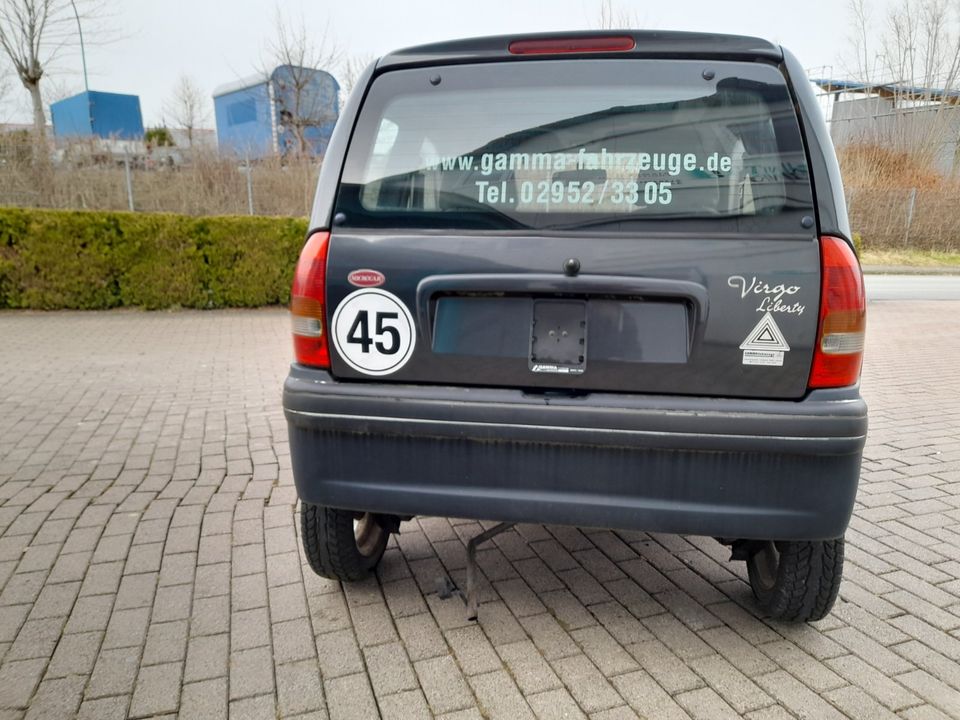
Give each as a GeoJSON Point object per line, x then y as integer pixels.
{"type": "Point", "coordinates": [149, 559]}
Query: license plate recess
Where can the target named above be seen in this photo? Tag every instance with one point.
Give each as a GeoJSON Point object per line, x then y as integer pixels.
{"type": "Point", "coordinates": [558, 337]}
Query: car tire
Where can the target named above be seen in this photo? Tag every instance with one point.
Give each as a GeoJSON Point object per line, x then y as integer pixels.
{"type": "Point", "coordinates": [341, 544]}
{"type": "Point", "coordinates": [796, 581]}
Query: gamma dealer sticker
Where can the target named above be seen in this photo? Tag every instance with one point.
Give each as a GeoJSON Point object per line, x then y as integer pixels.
{"type": "Point", "coordinates": [373, 331]}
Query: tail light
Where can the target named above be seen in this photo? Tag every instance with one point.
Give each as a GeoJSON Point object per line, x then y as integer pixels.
{"type": "Point", "coordinates": [843, 317]}
{"type": "Point", "coordinates": [551, 46]}
{"type": "Point", "coordinates": [307, 300]}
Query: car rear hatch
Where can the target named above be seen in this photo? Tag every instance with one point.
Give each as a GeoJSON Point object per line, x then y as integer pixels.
{"type": "Point", "coordinates": [635, 225]}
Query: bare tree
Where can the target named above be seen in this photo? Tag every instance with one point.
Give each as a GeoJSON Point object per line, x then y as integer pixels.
{"type": "Point", "coordinates": [919, 47]}
{"type": "Point", "coordinates": [613, 16]}
{"type": "Point", "coordinates": [350, 70]}
{"type": "Point", "coordinates": [58, 88]}
{"type": "Point", "coordinates": [300, 92]}
{"type": "Point", "coordinates": [918, 54]}
{"type": "Point", "coordinates": [860, 18]}
{"type": "Point", "coordinates": [32, 34]}
{"type": "Point", "coordinates": [187, 107]}
{"type": "Point", "coordinates": [4, 91]}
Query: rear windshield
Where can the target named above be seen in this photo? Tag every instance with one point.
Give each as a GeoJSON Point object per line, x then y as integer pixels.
{"type": "Point", "coordinates": [564, 144]}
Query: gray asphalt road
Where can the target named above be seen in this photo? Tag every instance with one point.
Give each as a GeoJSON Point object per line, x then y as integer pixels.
{"type": "Point", "coordinates": [913, 287]}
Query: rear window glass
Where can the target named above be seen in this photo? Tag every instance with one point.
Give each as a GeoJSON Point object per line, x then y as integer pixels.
{"type": "Point", "coordinates": [563, 144]}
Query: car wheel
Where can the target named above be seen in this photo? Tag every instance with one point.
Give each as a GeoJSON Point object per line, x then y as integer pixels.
{"type": "Point", "coordinates": [796, 581]}
{"type": "Point", "coordinates": [341, 544]}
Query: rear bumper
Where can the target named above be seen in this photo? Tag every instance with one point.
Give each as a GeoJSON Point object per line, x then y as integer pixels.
{"type": "Point", "coordinates": [731, 468]}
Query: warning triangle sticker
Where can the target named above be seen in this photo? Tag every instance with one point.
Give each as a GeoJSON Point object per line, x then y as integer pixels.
{"type": "Point", "coordinates": [765, 336]}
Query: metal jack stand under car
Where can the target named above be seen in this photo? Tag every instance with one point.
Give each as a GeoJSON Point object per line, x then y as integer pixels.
{"type": "Point", "coordinates": [446, 588]}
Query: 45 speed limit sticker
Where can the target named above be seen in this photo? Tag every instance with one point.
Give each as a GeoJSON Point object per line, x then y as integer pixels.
{"type": "Point", "coordinates": [373, 331]}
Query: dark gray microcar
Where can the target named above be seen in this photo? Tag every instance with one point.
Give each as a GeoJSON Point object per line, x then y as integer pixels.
{"type": "Point", "coordinates": [596, 279]}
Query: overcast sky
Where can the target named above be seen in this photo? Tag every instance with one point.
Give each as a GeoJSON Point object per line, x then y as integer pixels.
{"type": "Point", "coordinates": [218, 42]}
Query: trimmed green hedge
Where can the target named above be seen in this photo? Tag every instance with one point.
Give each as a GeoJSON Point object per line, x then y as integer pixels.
{"type": "Point", "coordinates": [52, 259]}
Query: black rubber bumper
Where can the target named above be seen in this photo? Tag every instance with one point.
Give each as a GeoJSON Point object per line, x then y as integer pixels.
{"type": "Point", "coordinates": [778, 470]}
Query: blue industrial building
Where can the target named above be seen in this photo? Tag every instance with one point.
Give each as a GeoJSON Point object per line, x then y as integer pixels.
{"type": "Point", "coordinates": [98, 114]}
{"type": "Point", "coordinates": [254, 115]}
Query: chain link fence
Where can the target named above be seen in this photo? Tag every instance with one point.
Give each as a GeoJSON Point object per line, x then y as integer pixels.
{"type": "Point", "coordinates": [916, 218]}
{"type": "Point", "coordinates": [209, 185]}
{"type": "Point", "coordinates": [886, 218]}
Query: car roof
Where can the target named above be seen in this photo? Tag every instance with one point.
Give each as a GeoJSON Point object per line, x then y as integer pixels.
{"type": "Point", "coordinates": [649, 43]}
